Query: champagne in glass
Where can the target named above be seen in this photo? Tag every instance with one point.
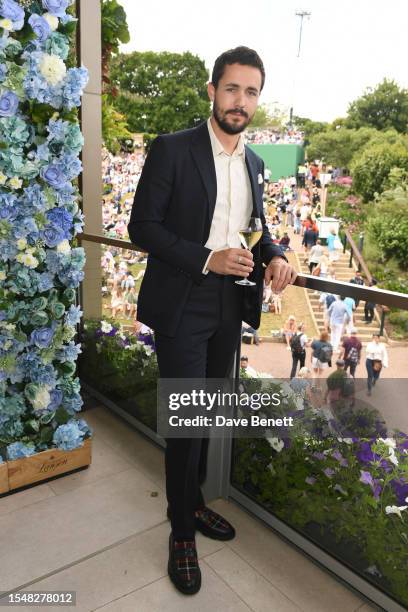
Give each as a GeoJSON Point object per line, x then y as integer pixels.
{"type": "Point", "coordinates": [249, 237]}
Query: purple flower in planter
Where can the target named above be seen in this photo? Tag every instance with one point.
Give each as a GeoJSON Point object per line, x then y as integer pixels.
{"type": "Point", "coordinates": [366, 478]}
{"type": "Point", "coordinates": [320, 456]}
{"type": "Point", "coordinates": [401, 490]}
{"type": "Point", "coordinates": [377, 488]}
{"type": "Point", "coordinates": [329, 472]}
{"type": "Point", "coordinates": [310, 480]}
{"type": "Point", "coordinates": [337, 455]}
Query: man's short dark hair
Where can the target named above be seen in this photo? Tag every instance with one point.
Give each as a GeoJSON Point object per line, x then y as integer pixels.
{"type": "Point", "coordinates": [240, 55]}
{"type": "Point", "coordinates": [244, 358]}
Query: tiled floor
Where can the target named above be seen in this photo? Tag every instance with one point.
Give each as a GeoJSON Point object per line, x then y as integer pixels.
{"type": "Point", "coordinates": [102, 532]}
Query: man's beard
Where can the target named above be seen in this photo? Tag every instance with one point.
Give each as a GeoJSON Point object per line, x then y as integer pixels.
{"type": "Point", "coordinates": [229, 128]}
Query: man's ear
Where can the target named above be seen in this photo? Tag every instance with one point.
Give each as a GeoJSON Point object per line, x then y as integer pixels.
{"type": "Point", "coordinates": [211, 91]}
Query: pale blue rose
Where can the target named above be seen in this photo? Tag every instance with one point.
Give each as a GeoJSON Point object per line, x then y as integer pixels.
{"type": "Point", "coordinates": [8, 104]}
{"type": "Point", "coordinates": [41, 27]}
{"type": "Point", "coordinates": [13, 11]}
{"type": "Point", "coordinates": [53, 175]}
{"type": "Point", "coordinates": [42, 337]}
{"type": "Point", "coordinates": [56, 7]}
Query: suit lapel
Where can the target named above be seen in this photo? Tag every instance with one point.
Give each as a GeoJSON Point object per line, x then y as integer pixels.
{"type": "Point", "coordinates": [253, 172]}
{"type": "Point", "coordinates": [203, 156]}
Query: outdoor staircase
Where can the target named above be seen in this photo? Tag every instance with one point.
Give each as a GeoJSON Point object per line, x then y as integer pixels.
{"type": "Point", "coordinates": [343, 273]}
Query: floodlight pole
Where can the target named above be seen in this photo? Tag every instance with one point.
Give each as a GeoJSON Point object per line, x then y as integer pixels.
{"type": "Point", "coordinates": [302, 15]}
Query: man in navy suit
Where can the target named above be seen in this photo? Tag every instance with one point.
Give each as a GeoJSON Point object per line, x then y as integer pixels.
{"type": "Point", "coordinates": [198, 188]}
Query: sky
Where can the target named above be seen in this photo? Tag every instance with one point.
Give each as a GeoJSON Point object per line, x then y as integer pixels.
{"type": "Point", "coordinates": [346, 46]}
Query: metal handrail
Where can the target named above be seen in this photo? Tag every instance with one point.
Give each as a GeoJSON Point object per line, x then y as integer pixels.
{"type": "Point", "coordinates": [306, 281]}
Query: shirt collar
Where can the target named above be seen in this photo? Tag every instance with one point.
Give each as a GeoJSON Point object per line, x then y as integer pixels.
{"type": "Point", "coordinates": [217, 147]}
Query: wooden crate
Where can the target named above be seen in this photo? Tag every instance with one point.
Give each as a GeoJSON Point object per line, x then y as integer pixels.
{"type": "Point", "coordinates": [4, 485]}
{"type": "Point", "coordinates": [49, 463]}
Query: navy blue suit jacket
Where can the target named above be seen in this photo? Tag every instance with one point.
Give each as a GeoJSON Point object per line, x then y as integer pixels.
{"type": "Point", "coordinates": [171, 220]}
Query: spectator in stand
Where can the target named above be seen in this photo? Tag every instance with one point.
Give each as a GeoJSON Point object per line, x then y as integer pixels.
{"type": "Point", "coordinates": [130, 303]}
{"type": "Point", "coordinates": [297, 219]}
{"type": "Point", "coordinates": [357, 280]}
{"type": "Point", "coordinates": [289, 330]}
{"type": "Point", "coordinates": [315, 255]}
{"type": "Point", "coordinates": [314, 170]}
{"type": "Point", "coordinates": [246, 368]}
{"type": "Point", "coordinates": [369, 307]}
{"type": "Point", "coordinates": [285, 241]}
{"type": "Point", "coordinates": [322, 352]}
{"type": "Point", "coordinates": [117, 304]}
{"type": "Point", "coordinates": [350, 304]}
{"type": "Point", "coordinates": [337, 314]}
{"type": "Point", "coordinates": [250, 333]}
{"type": "Point", "coordinates": [340, 389]}
{"type": "Point", "coordinates": [351, 351]}
{"type": "Point", "coordinates": [298, 345]}
{"type": "Point", "coordinates": [376, 360]}
{"type": "Point", "coordinates": [277, 302]}
{"type": "Point", "coordinates": [302, 385]}
{"type": "Point", "coordinates": [128, 282]}
{"type": "Point", "coordinates": [310, 237]}
{"type": "Point", "coordinates": [301, 175]}
{"type": "Point", "coordinates": [331, 245]}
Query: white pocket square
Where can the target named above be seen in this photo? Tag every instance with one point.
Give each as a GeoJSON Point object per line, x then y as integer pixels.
{"type": "Point", "coordinates": [260, 179]}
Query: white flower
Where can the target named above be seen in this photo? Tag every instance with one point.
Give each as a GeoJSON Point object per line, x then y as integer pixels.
{"type": "Point", "coordinates": [52, 68]}
{"type": "Point", "coordinates": [42, 398]}
{"type": "Point", "coordinates": [15, 182]}
{"type": "Point", "coordinates": [395, 510]}
{"type": "Point", "coordinates": [28, 260]}
{"type": "Point", "coordinates": [2, 275]}
{"type": "Point", "coordinates": [148, 350]}
{"type": "Point", "coordinates": [276, 444]}
{"type": "Point", "coordinates": [3, 178]}
{"type": "Point", "coordinates": [21, 244]}
{"type": "Point", "coordinates": [52, 21]}
{"type": "Point", "coordinates": [106, 327]}
{"type": "Point", "coordinates": [260, 179]}
{"type": "Point", "coordinates": [393, 457]}
{"type": "Point", "coordinates": [390, 442]}
{"type": "Point", "coordinates": [6, 24]}
{"type": "Point", "coordinates": [64, 247]}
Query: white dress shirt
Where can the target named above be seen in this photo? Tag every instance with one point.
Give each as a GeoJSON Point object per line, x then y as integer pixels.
{"type": "Point", "coordinates": [234, 205]}
{"type": "Point", "coordinates": [377, 350]}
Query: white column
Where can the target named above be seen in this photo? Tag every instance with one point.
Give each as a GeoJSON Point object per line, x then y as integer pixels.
{"type": "Point", "coordinates": [91, 58]}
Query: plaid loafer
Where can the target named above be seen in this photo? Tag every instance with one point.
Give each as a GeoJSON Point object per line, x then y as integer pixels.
{"type": "Point", "coordinates": [183, 566]}
{"type": "Point", "coordinates": [212, 525]}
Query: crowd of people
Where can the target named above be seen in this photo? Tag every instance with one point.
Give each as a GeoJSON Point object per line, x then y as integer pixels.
{"type": "Point", "coordinates": [292, 206]}
{"type": "Point", "coordinates": [271, 136]}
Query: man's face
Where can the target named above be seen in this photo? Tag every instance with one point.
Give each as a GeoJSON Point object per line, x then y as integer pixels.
{"type": "Point", "coordinates": [236, 97]}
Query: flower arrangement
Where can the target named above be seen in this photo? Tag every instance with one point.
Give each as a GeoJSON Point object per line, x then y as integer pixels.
{"type": "Point", "coordinates": [40, 268]}
{"type": "Point", "coordinates": [122, 366]}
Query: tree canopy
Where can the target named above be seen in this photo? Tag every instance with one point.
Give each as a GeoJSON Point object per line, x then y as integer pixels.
{"type": "Point", "coordinates": [160, 92]}
{"type": "Point", "coordinates": [371, 170]}
{"type": "Point", "coordinates": [384, 107]}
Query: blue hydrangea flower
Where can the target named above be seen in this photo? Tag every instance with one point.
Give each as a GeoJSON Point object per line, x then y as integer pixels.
{"type": "Point", "coordinates": [45, 282]}
{"type": "Point", "coordinates": [3, 72]}
{"type": "Point", "coordinates": [60, 217]}
{"type": "Point", "coordinates": [68, 436]}
{"type": "Point", "coordinates": [56, 399]}
{"type": "Point", "coordinates": [17, 450]}
{"type": "Point", "coordinates": [40, 26]}
{"type": "Point", "coordinates": [69, 352]}
{"type": "Point", "coordinates": [74, 83]}
{"type": "Point", "coordinates": [8, 104]}
{"type": "Point", "coordinates": [73, 315]}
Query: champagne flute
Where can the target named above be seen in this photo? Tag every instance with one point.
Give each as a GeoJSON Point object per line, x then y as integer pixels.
{"type": "Point", "coordinates": [249, 237]}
